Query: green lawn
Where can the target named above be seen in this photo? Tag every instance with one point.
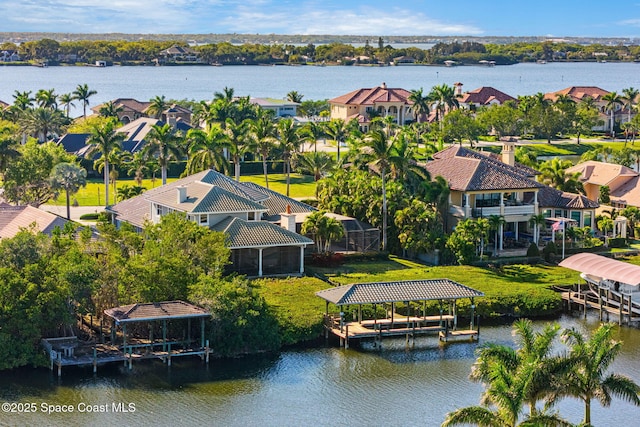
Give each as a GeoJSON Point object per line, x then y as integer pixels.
{"type": "Point", "coordinates": [300, 186]}
{"type": "Point", "coordinates": [93, 193]}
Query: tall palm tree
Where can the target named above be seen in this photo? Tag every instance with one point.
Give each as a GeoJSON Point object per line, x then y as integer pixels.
{"type": "Point", "coordinates": [588, 380]}
{"type": "Point", "coordinates": [315, 131]}
{"type": "Point", "coordinates": [553, 173]}
{"type": "Point", "coordinates": [40, 122]}
{"type": "Point", "coordinates": [238, 137]}
{"type": "Point", "coordinates": [262, 132]}
{"type": "Point", "coordinates": [115, 158]}
{"type": "Point", "coordinates": [380, 156]}
{"type": "Point", "coordinates": [289, 141]}
{"type": "Point", "coordinates": [70, 178]}
{"type": "Point", "coordinates": [338, 130]}
{"type": "Point", "coordinates": [314, 163]}
{"type": "Point", "coordinates": [158, 104]}
{"type": "Point", "coordinates": [613, 100]}
{"type": "Point", "coordinates": [82, 93]}
{"type": "Point", "coordinates": [162, 143]}
{"type": "Point", "coordinates": [445, 99]}
{"type": "Point", "coordinates": [629, 98]}
{"type": "Point", "coordinates": [47, 99]}
{"type": "Point", "coordinates": [421, 107]}
{"type": "Point", "coordinates": [137, 166]}
{"type": "Point", "coordinates": [206, 150]}
{"type": "Point", "coordinates": [226, 94]}
{"type": "Point", "coordinates": [103, 140]}
{"type": "Point", "coordinates": [66, 101]}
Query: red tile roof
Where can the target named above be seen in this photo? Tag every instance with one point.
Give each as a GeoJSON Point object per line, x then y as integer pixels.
{"type": "Point", "coordinates": [484, 95]}
{"type": "Point", "coordinates": [373, 96]}
{"type": "Point", "coordinates": [578, 93]}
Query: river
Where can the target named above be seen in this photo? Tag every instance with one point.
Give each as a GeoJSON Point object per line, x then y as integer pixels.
{"type": "Point", "coordinates": [314, 83]}
{"type": "Point", "coordinates": [320, 386]}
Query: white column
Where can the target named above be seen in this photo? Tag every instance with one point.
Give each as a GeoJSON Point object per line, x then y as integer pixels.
{"type": "Point", "coordinates": [501, 204]}
{"type": "Point", "coordinates": [501, 236]}
{"type": "Point", "coordinates": [301, 259]}
{"type": "Point", "coordinates": [260, 262]}
{"type": "Point", "coordinates": [516, 227]}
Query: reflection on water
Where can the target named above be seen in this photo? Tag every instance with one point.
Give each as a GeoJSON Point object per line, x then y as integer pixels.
{"type": "Point", "coordinates": [318, 386]}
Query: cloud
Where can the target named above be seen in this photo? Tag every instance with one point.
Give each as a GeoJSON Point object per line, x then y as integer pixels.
{"type": "Point", "coordinates": [630, 22]}
{"type": "Point", "coordinates": [395, 21]}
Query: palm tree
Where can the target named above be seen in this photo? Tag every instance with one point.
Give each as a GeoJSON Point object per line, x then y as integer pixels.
{"type": "Point", "coordinates": [294, 96]}
{"type": "Point", "coordinates": [628, 98]}
{"type": "Point", "coordinates": [70, 178]}
{"type": "Point", "coordinates": [381, 157]}
{"type": "Point", "coordinates": [8, 150]}
{"type": "Point", "coordinates": [137, 166]}
{"type": "Point", "coordinates": [338, 130]}
{"type": "Point", "coordinates": [496, 222]}
{"type": "Point", "coordinates": [316, 164]}
{"type": "Point", "coordinates": [445, 100]}
{"type": "Point", "coordinates": [553, 173]}
{"type": "Point", "coordinates": [66, 101]}
{"type": "Point", "coordinates": [22, 100]}
{"type": "Point", "coordinates": [315, 131]}
{"type": "Point", "coordinates": [82, 94]}
{"type": "Point", "coordinates": [115, 159]}
{"type": "Point", "coordinates": [420, 104]}
{"type": "Point", "coordinates": [515, 378]}
{"type": "Point", "coordinates": [263, 135]}
{"type": "Point", "coordinates": [206, 150]}
{"type": "Point", "coordinates": [163, 145]}
{"type": "Point", "coordinates": [588, 379]}
{"type": "Point", "coordinates": [40, 122]}
{"type": "Point", "coordinates": [537, 221]}
{"type": "Point", "coordinates": [613, 100]}
{"type": "Point", "coordinates": [226, 94]}
{"type": "Point", "coordinates": [238, 137]}
{"type": "Point", "coordinates": [324, 230]}
{"type": "Point", "coordinates": [438, 193]}
{"type": "Point", "coordinates": [47, 99]}
{"type": "Point", "coordinates": [289, 141]}
{"type": "Point", "coordinates": [103, 140]}
{"type": "Point", "coordinates": [158, 104]}
{"type": "Point", "coordinates": [109, 109]}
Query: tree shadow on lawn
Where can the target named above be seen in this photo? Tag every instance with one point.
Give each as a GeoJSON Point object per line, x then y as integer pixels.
{"type": "Point", "coordinates": [519, 273]}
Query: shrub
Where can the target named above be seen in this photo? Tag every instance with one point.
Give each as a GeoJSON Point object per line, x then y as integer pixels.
{"type": "Point", "coordinates": [327, 259]}
{"type": "Point", "coordinates": [618, 242]}
{"type": "Point", "coordinates": [549, 250]}
{"type": "Point", "coordinates": [90, 216]}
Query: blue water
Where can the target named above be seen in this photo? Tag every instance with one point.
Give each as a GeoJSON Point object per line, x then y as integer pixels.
{"type": "Point", "coordinates": [200, 82]}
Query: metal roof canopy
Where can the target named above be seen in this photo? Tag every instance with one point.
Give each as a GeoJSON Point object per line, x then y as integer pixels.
{"type": "Point", "coordinates": [387, 292]}
{"type": "Point", "coordinates": [606, 268]}
{"type": "Point", "coordinates": [152, 311]}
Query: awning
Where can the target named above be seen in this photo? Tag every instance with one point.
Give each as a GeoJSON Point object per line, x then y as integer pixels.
{"type": "Point", "coordinates": [603, 267]}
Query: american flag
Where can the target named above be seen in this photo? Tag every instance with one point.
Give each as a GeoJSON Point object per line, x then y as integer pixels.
{"type": "Point", "coordinates": [558, 225]}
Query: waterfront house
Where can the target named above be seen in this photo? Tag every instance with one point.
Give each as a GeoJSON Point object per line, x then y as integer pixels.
{"type": "Point", "coordinates": [211, 199]}
{"type": "Point", "coordinates": [178, 54]}
{"type": "Point", "coordinates": [482, 185]}
{"type": "Point", "coordinates": [130, 109]}
{"type": "Point", "coordinates": [281, 107]}
{"type": "Point", "coordinates": [364, 104]}
{"type": "Point", "coordinates": [482, 96]}
{"type": "Point", "coordinates": [580, 93]}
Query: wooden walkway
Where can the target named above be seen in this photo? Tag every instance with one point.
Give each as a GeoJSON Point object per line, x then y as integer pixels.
{"type": "Point", "coordinates": [607, 304]}
{"type": "Point", "coordinates": [410, 327]}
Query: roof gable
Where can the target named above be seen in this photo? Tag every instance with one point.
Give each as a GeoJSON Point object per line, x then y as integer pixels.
{"type": "Point", "coordinates": [484, 95]}
{"type": "Point", "coordinates": [371, 96]}
{"type": "Point", "coordinates": [256, 234]}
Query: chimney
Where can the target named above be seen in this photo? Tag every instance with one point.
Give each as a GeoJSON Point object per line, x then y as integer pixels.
{"type": "Point", "coordinates": [288, 220]}
{"type": "Point", "coordinates": [508, 152]}
{"type": "Point", "coordinates": [458, 88]}
{"type": "Point", "coordinates": [383, 85]}
{"type": "Point", "coordinates": [182, 193]}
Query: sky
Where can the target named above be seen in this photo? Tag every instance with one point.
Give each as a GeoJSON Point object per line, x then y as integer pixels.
{"type": "Point", "coordinates": [553, 18]}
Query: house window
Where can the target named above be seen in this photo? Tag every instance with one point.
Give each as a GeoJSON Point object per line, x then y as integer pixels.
{"type": "Point", "coordinates": [204, 219]}
{"type": "Point", "coordinates": [587, 219]}
{"type": "Point", "coordinates": [575, 215]}
{"type": "Point", "coordinates": [251, 216]}
{"type": "Point", "coordinates": [558, 213]}
{"type": "Point", "coordinates": [547, 213]}
{"type": "Point", "coordinates": [158, 210]}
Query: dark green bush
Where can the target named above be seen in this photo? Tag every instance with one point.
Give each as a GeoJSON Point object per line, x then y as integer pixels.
{"type": "Point", "coordinates": [618, 242]}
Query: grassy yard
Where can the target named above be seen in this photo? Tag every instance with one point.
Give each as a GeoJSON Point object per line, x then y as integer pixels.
{"type": "Point", "coordinates": [300, 186]}
{"type": "Point", "coordinates": [93, 193]}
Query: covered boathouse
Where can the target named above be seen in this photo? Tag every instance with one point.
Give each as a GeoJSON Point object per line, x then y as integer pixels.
{"type": "Point", "coordinates": [612, 286]}
{"type": "Point", "coordinates": [387, 294]}
{"type": "Point", "coordinates": [163, 317]}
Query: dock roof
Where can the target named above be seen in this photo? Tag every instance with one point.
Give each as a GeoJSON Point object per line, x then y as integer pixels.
{"type": "Point", "coordinates": [406, 290]}
{"type": "Point", "coordinates": [606, 268]}
{"type": "Point", "coordinates": [155, 311]}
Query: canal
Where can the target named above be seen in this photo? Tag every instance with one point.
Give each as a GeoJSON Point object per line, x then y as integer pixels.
{"type": "Point", "coordinates": [320, 386]}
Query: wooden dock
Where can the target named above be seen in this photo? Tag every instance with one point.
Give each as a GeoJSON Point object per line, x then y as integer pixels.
{"type": "Point", "coordinates": [606, 302]}
{"type": "Point", "coordinates": [409, 327]}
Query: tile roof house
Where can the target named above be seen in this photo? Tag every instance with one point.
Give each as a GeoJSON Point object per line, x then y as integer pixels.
{"type": "Point", "coordinates": [482, 185]}
{"type": "Point", "coordinates": [579, 93]}
{"type": "Point", "coordinates": [623, 182]}
{"type": "Point", "coordinates": [211, 199]}
{"type": "Point", "coordinates": [178, 54]}
{"type": "Point", "coordinates": [484, 95]}
{"type": "Point", "coordinates": [382, 100]}
{"type": "Point", "coordinates": [131, 109]}
{"type": "Point", "coordinates": [15, 218]}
